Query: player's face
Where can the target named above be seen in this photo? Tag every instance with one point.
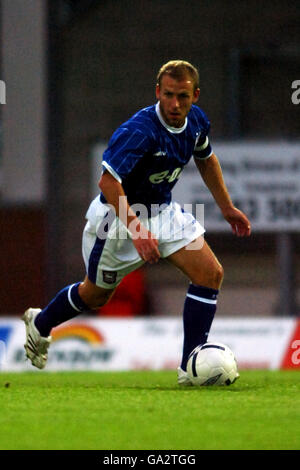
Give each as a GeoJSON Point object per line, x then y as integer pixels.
{"type": "Point", "coordinates": [176, 98]}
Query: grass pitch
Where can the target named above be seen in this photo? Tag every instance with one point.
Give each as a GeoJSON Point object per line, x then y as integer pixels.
{"type": "Point", "coordinates": [148, 410]}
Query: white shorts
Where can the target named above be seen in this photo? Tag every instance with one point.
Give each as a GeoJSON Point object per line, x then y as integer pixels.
{"type": "Point", "coordinates": [109, 253]}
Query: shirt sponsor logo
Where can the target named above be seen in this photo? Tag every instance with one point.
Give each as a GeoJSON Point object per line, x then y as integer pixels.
{"type": "Point", "coordinates": [157, 178]}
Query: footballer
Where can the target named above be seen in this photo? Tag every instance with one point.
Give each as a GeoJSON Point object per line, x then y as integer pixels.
{"type": "Point", "coordinates": [126, 223]}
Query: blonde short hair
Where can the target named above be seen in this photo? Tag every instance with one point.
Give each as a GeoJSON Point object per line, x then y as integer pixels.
{"type": "Point", "coordinates": [179, 69]}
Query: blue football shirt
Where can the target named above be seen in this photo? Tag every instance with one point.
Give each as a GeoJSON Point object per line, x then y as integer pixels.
{"type": "Point", "coordinates": [147, 156]}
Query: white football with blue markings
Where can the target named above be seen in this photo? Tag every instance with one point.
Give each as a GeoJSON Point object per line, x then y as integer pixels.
{"type": "Point", "coordinates": [212, 364]}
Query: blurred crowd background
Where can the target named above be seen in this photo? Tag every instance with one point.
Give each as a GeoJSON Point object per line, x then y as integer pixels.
{"type": "Point", "coordinates": [74, 70]}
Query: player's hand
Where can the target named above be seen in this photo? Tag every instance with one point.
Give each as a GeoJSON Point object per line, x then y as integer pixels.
{"type": "Point", "coordinates": [239, 222]}
{"type": "Point", "coordinates": [146, 244]}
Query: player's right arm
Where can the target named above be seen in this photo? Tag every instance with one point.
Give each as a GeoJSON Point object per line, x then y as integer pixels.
{"type": "Point", "coordinates": [144, 241]}
{"type": "Point", "coordinates": [212, 176]}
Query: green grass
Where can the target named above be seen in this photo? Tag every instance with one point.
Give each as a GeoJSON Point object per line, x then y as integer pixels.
{"type": "Point", "coordinates": [148, 410]}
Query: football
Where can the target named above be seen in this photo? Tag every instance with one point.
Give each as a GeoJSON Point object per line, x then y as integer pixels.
{"type": "Point", "coordinates": [212, 364]}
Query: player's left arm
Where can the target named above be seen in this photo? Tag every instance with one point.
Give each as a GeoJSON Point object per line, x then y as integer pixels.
{"type": "Point", "coordinates": [212, 176]}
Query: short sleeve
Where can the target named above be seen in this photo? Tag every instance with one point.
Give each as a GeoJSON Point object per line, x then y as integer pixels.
{"type": "Point", "coordinates": [126, 147]}
{"type": "Point", "coordinates": [203, 147]}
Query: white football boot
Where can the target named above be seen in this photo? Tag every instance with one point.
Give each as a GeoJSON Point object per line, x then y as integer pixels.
{"type": "Point", "coordinates": [182, 377]}
{"type": "Point", "coordinates": [36, 346]}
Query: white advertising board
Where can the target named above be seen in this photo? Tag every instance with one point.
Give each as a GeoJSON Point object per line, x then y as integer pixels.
{"type": "Point", "coordinates": [263, 180]}
{"type": "Point", "coordinates": [149, 343]}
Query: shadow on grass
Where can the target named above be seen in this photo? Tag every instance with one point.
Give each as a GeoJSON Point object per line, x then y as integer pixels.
{"type": "Point", "coordinates": [130, 381]}
{"type": "Point", "coordinates": [178, 388]}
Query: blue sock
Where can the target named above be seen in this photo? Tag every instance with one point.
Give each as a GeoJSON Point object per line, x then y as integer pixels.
{"type": "Point", "coordinates": [66, 305]}
{"type": "Point", "coordinates": [198, 314]}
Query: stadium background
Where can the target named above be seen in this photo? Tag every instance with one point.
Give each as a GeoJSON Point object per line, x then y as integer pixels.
{"type": "Point", "coordinates": [74, 70]}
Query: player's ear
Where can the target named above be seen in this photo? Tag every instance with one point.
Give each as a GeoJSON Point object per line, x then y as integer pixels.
{"type": "Point", "coordinates": [196, 95]}
{"type": "Point", "coordinates": [157, 91]}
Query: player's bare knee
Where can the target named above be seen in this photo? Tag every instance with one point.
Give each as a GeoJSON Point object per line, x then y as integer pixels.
{"type": "Point", "coordinates": [219, 275]}
{"type": "Point", "coordinates": [104, 300]}
{"type": "Point", "coordinates": [92, 296]}
{"type": "Point", "coordinates": [212, 278]}
{"type": "Point", "coordinates": [99, 300]}
{"type": "Point", "coordinates": [215, 277]}
{"type": "Point", "coordinates": [96, 303]}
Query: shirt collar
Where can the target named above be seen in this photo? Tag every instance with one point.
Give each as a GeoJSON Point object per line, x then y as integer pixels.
{"type": "Point", "coordinates": [173, 130]}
